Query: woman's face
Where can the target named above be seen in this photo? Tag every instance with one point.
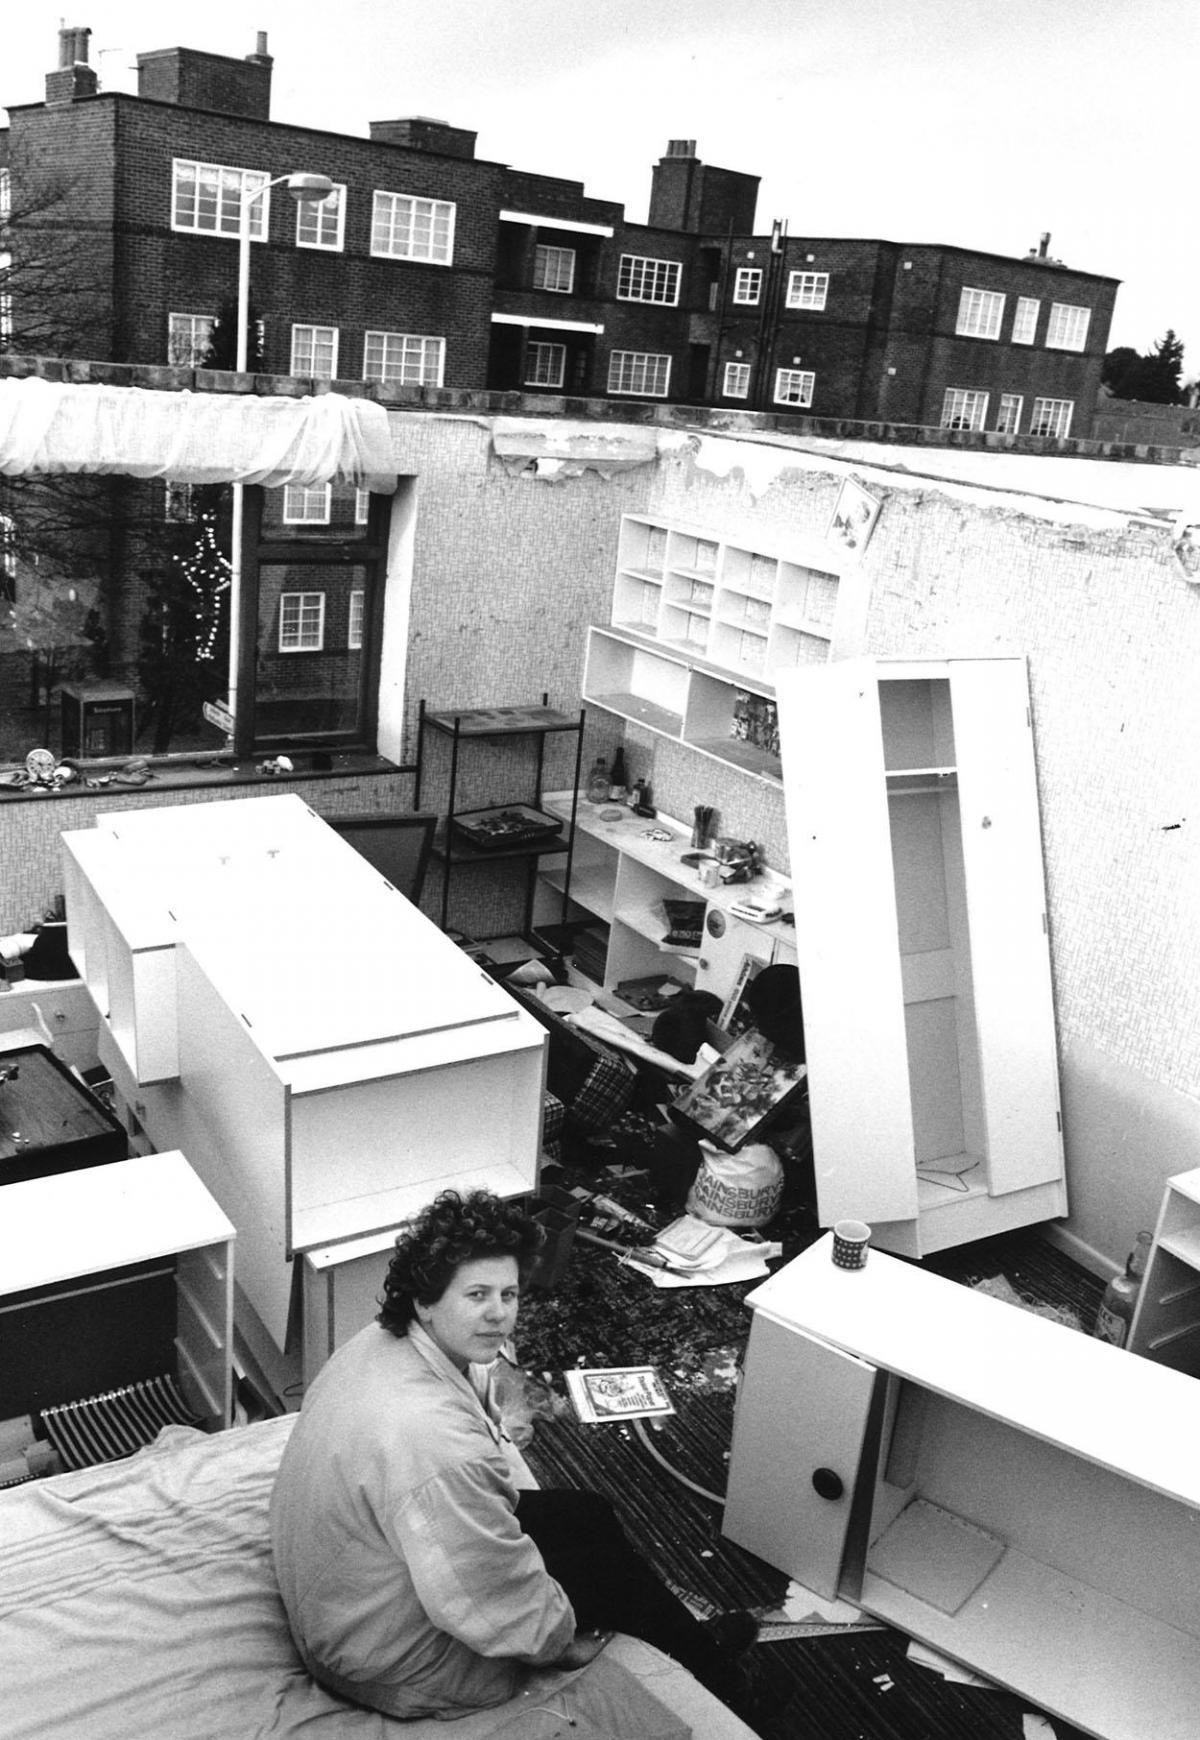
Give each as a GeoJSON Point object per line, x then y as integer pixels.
{"type": "Point", "coordinates": [476, 1313]}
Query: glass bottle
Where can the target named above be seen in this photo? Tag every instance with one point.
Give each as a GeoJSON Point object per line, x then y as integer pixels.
{"type": "Point", "coordinates": [599, 782]}
{"type": "Point", "coordinates": [1120, 1296]}
{"type": "Point", "coordinates": [616, 787]}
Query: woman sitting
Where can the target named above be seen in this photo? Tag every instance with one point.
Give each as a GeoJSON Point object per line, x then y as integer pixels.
{"type": "Point", "coordinates": [421, 1571]}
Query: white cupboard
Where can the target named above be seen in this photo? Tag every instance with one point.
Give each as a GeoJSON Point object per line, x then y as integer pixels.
{"type": "Point", "coordinates": [327, 1059]}
{"type": "Point", "coordinates": [1021, 1497]}
{"type": "Point", "coordinates": [922, 944]}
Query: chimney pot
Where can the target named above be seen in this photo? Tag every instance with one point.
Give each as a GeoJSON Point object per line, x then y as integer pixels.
{"type": "Point", "coordinates": [261, 40]}
{"type": "Point", "coordinates": [73, 45]}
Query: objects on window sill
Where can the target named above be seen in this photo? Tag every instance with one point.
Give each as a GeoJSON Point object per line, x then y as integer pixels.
{"type": "Point", "coordinates": [276, 764]}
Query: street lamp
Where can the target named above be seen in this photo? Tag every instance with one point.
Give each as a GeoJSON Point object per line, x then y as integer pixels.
{"type": "Point", "coordinates": [301, 187]}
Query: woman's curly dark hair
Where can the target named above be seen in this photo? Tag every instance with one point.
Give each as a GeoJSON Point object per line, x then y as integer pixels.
{"type": "Point", "coordinates": [451, 1231]}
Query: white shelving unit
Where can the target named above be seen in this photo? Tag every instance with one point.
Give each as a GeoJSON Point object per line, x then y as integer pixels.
{"type": "Point", "coordinates": [73, 1227]}
{"type": "Point", "coordinates": [699, 630]}
{"type": "Point", "coordinates": [922, 946]}
{"type": "Point", "coordinates": [1166, 1317]}
{"type": "Point", "coordinates": [944, 1460]}
{"type": "Point", "coordinates": [620, 878]}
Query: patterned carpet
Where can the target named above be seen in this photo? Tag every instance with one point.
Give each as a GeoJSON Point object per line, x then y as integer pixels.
{"type": "Point", "coordinates": [852, 1686]}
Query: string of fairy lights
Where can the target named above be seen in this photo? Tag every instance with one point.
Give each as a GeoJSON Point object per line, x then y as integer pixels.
{"type": "Point", "coordinates": [208, 571]}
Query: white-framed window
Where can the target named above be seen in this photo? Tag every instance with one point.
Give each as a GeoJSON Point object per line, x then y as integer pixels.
{"type": "Point", "coordinates": [1067, 328]}
{"type": "Point", "coordinates": [643, 373]}
{"type": "Point", "coordinates": [747, 284]}
{"type": "Point", "coordinates": [321, 223]}
{"type": "Point", "coordinates": [545, 364]}
{"type": "Point", "coordinates": [807, 289]}
{"type": "Point", "coordinates": [980, 313]}
{"type": "Point", "coordinates": [188, 339]}
{"type": "Point", "coordinates": [1025, 319]}
{"type": "Point", "coordinates": [736, 384]}
{"type": "Point", "coordinates": [1008, 417]}
{"type": "Point", "coordinates": [404, 359]}
{"type": "Point", "coordinates": [1051, 417]}
{"type": "Point", "coordinates": [794, 386]}
{"type": "Point", "coordinates": [406, 227]}
{"type": "Point", "coordinates": [178, 501]}
{"type": "Point", "coordinates": [315, 352]}
{"type": "Point", "coordinates": [306, 505]}
{"type": "Point", "coordinates": [640, 279]}
{"type": "Point", "coordinates": [354, 629]}
{"type": "Point", "coordinates": [964, 408]}
{"type": "Point", "coordinates": [553, 268]}
{"type": "Point", "coordinates": [207, 198]}
{"type": "Point", "coordinates": [301, 621]}
{"type": "Point", "coordinates": [362, 506]}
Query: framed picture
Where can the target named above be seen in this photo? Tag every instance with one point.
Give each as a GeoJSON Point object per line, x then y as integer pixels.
{"type": "Point", "coordinates": [853, 518]}
{"type": "Point", "coordinates": [729, 1102]}
{"type": "Point", "coordinates": [735, 1015]}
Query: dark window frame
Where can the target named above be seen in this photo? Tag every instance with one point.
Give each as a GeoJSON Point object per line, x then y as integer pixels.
{"type": "Point", "coordinates": [368, 552]}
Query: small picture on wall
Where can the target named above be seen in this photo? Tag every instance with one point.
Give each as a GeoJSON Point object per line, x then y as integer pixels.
{"type": "Point", "coordinates": [853, 518]}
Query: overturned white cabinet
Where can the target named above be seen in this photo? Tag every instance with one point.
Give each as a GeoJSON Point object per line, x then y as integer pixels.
{"type": "Point", "coordinates": [327, 1059]}
{"type": "Point", "coordinates": [1022, 1497]}
{"type": "Point", "coordinates": [922, 944]}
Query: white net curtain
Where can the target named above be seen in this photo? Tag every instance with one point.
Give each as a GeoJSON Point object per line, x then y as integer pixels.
{"type": "Point", "coordinates": [49, 427]}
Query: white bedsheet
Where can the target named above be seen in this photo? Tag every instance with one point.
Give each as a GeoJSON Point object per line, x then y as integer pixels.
{"type": "Point", "coordinates": [137, 1602]}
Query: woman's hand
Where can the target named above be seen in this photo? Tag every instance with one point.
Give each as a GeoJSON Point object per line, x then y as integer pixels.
{"type": "Point", "coordinates": [584, 1647]}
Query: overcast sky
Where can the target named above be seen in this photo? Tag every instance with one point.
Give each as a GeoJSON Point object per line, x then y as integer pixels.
{"type": "Point", "coordinates": [980, 122]}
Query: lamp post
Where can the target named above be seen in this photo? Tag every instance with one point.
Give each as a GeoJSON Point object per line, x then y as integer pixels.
{"type": "Point", "coordinates": [301, 187]}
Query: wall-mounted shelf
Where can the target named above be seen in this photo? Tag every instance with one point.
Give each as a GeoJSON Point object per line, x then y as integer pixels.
{"type": "Point", "coordinates": [691, 701]}
{"type": "Point", "coordinates": [699, 630]}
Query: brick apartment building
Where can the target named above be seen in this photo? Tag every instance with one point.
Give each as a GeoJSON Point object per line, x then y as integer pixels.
{"type": "Point", "coordinates": [429, 266]}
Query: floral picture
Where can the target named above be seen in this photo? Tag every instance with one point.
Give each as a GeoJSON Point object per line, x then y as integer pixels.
{"type": "Point", "coordinates": [730, 1100]}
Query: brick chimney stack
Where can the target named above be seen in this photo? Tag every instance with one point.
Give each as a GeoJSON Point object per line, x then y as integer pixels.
{"type": "Point", "coordinates": [73, 77]}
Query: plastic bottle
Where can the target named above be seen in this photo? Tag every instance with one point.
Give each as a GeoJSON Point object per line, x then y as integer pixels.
{"type": "Point", "coordinates": [616, 786]}
{"type": "Point", "coordinates": [1120, 1296]}
{"type": "Point", "coordinates": [599, 782]}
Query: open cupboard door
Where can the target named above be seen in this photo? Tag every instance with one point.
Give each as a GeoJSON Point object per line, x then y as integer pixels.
{"type": "Point", "coordinates": [798, 1437]}
{"type": "Point", "coordinates": [839, 841]}
{"type": "Point", "coordinates": [1010, 953]}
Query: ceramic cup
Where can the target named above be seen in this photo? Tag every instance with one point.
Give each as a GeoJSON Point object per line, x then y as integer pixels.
{"type": "Point", "coordinates": [851, 1241]}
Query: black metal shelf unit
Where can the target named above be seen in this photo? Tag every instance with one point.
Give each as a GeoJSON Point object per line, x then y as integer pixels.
{"type": "Point", "coordinates": [480, 725]}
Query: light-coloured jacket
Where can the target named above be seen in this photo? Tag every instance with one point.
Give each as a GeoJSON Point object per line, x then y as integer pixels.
{"type": "Point", "coordinates": [408, 1583]}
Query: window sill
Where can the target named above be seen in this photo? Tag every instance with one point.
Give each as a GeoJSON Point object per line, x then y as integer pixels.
{"type": "Point", "coordinates": [192, 773]}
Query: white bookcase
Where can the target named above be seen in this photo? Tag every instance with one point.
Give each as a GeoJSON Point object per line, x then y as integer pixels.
{"type": "Point", "coordinates": [79, 1227]}
{"type": "Point", "coordinates": [922, 945]}
{"type": "Point", "coordinates": [1166, 1317]}
{"type": "Point", "coordinates": [700, 629]}
{"type": "Point", "coordinates": [1019, 1496]}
